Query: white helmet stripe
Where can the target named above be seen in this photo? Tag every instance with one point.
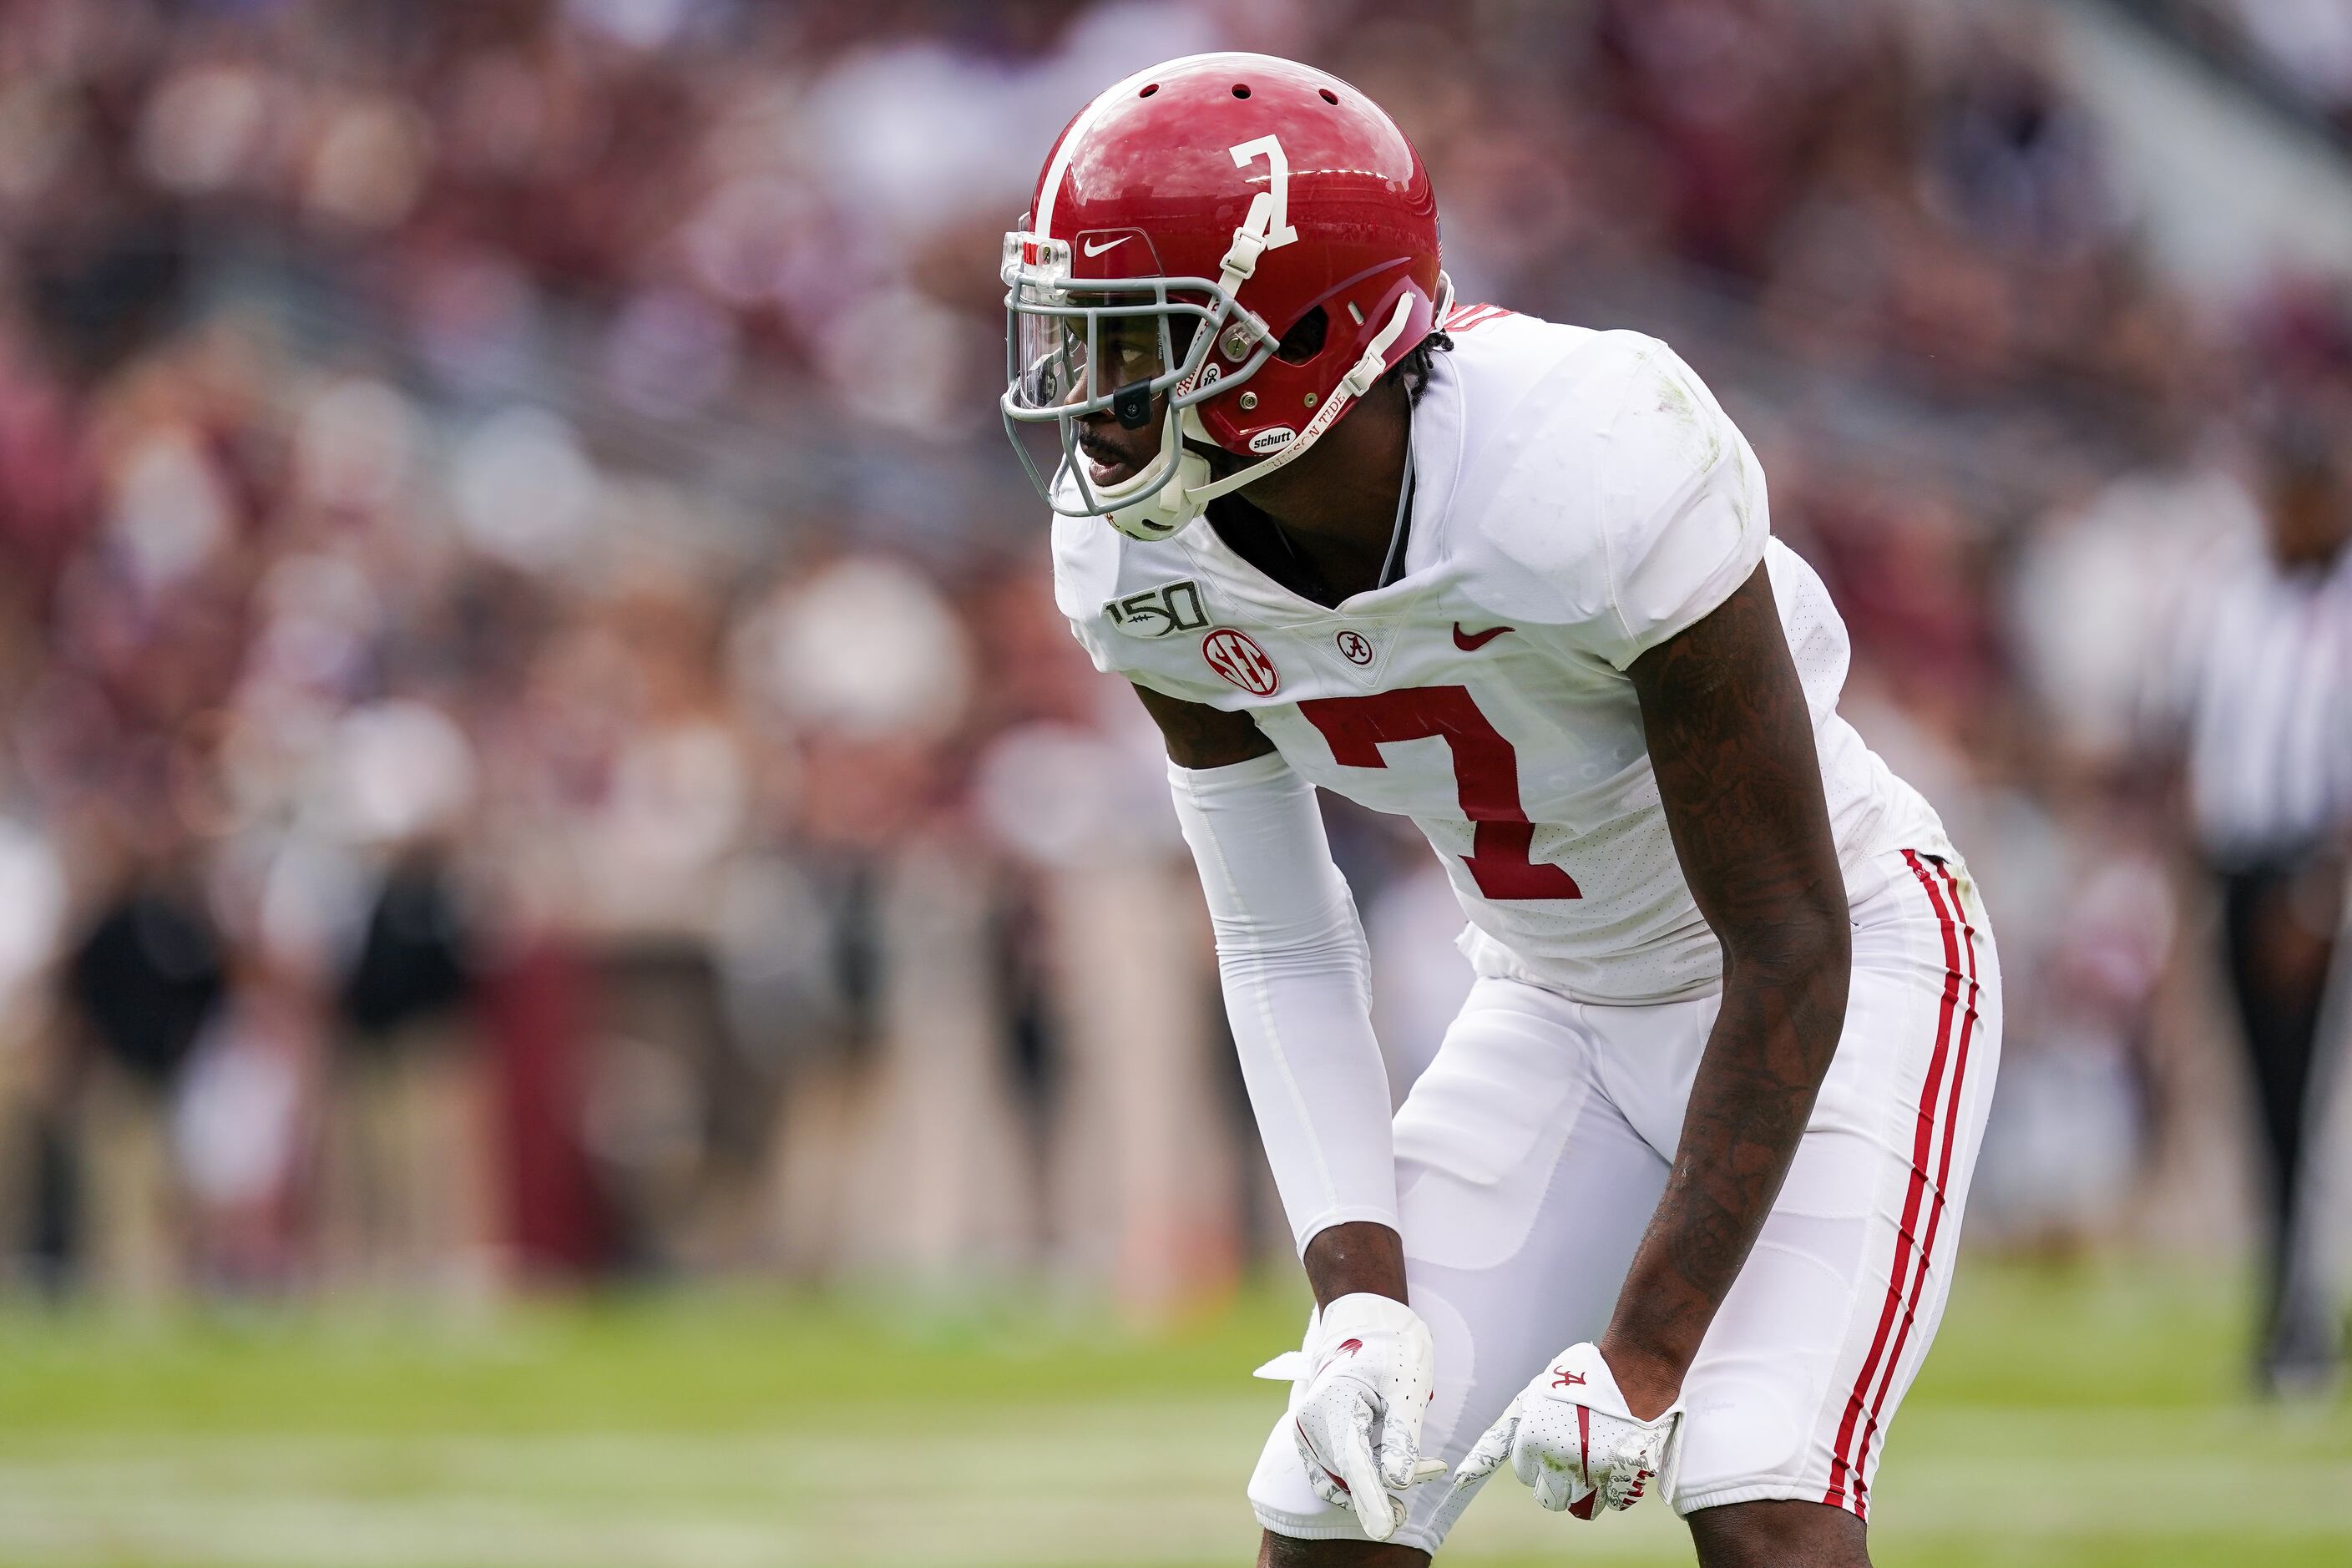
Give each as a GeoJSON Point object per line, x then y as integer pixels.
{"type": "Point", "coordinates": [1050, 192]}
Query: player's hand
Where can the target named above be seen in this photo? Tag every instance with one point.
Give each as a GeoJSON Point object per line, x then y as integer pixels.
{"type": "Point", "coordinates": [1360, 1391]}
{"type": "Point", "coordinates": [1570, 1436]}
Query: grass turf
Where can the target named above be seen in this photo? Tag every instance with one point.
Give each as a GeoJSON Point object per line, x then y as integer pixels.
{"type": "Point", "coordinates": [2086, 1418]}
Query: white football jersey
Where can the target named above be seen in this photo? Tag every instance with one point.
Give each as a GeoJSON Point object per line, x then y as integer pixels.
{"type": "Point", "coordinates": [1580, 498]}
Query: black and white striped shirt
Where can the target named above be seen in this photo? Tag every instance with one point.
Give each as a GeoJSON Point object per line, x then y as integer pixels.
{"type": "Point", "coordinates": [2265, 692]}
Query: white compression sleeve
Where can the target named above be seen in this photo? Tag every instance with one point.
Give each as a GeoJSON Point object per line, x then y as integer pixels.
{"type": "Point", "coordinates": [1297, 983]}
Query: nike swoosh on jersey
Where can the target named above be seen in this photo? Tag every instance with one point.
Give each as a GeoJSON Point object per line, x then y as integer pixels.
{"type": "Point", "coordinates": [1094, 249]}
{"type": "Point", "coordinates": [1471, 642]}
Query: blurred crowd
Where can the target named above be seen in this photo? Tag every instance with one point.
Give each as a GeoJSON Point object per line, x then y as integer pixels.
{"type": "Point", "coordinates": [2300, 48]}
{"type": "Point", "coordinates": [537, 743]}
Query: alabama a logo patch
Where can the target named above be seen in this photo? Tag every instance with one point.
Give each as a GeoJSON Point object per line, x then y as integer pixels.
{"type": "Point", "coordinates": [1240, 662]}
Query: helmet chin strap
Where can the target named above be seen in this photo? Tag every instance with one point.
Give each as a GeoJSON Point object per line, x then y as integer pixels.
{"type": "Point", "coordinates": [1186, 494]}
{"type": "Point", "coordinates": [1354, 384]}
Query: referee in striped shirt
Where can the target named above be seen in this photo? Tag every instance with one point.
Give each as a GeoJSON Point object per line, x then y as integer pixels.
{"type": "Point", "coordinates": [2264, 696]}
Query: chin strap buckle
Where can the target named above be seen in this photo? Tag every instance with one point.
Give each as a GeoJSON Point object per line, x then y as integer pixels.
{"type": "Point", "coordinates": [1240, 258]}
{"type": "Point", "coordinates": [1375, 362]}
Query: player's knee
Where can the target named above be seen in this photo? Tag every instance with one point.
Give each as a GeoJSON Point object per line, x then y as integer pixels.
{"type": "Point", "coordinates": [1779, 1534]}
{"type": "Point", "coordinates": [1288, 1551]}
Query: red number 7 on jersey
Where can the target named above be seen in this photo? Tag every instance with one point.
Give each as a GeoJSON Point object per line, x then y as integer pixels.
{"type": "Point", "coordinates": [1486, 776]}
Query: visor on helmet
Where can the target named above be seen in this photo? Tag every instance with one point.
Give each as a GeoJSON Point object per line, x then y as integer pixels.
{"type": "Point", "coordinates": [1078, 352]}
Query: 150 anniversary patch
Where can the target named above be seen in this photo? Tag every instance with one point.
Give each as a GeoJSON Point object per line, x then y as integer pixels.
{"type": "Point", "coordinates": [1157, 611]}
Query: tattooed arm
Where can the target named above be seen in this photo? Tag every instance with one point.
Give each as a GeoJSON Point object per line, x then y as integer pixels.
{"type": "Point", "coordinates": [1732, 744]}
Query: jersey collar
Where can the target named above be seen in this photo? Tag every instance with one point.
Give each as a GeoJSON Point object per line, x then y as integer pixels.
{"type": "Point", "coordinates": [1436, 436]}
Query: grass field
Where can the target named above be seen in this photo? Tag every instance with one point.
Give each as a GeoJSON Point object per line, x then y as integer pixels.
{"type": "Point", "coordinates": [2085, 1418]}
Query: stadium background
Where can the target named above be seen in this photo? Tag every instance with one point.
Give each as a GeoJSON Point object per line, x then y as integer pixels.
{"type": "Point", "coordinates": [590, 977]}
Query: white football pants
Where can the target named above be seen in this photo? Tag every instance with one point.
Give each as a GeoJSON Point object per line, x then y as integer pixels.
{"type": "Point", "coordinates": [1530, 1155]}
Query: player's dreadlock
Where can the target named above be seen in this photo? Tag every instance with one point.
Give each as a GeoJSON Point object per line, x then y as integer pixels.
{"type": "Point", "coordinates": [1412, 371]}
{"type": "Point", "coordinates": [1305, 340]}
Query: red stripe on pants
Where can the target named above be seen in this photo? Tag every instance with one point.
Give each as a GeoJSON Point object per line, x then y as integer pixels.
{"type": "Point", "coordinates": [1943, 1180]}
{"type": "Point", "coordinates": [1922, 1148]}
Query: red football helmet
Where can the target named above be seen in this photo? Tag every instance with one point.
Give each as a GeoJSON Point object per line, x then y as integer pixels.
{"type": "Point", "coordinates": [1188, 219]}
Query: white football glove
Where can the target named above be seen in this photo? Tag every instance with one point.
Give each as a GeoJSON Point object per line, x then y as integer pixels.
{"type": "Point", "coordinates": [1570, 1436]}
{"type": "Point", "coordinates": [1359, 1393]}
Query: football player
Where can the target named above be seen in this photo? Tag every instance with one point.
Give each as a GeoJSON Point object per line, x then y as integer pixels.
{"type": "Point", "coordinates": [1673, 1209]}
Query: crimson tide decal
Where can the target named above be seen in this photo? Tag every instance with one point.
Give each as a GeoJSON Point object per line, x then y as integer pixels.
{"type": "Point", "coordinates": [1240, 662]}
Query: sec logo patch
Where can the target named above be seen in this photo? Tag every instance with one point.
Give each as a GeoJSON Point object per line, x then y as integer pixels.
{"type": "Point", "coordinates": [1240, 662]}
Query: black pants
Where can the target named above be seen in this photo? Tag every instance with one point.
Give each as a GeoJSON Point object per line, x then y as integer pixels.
{"type": "Point", "coordinates": [2280, 921]}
